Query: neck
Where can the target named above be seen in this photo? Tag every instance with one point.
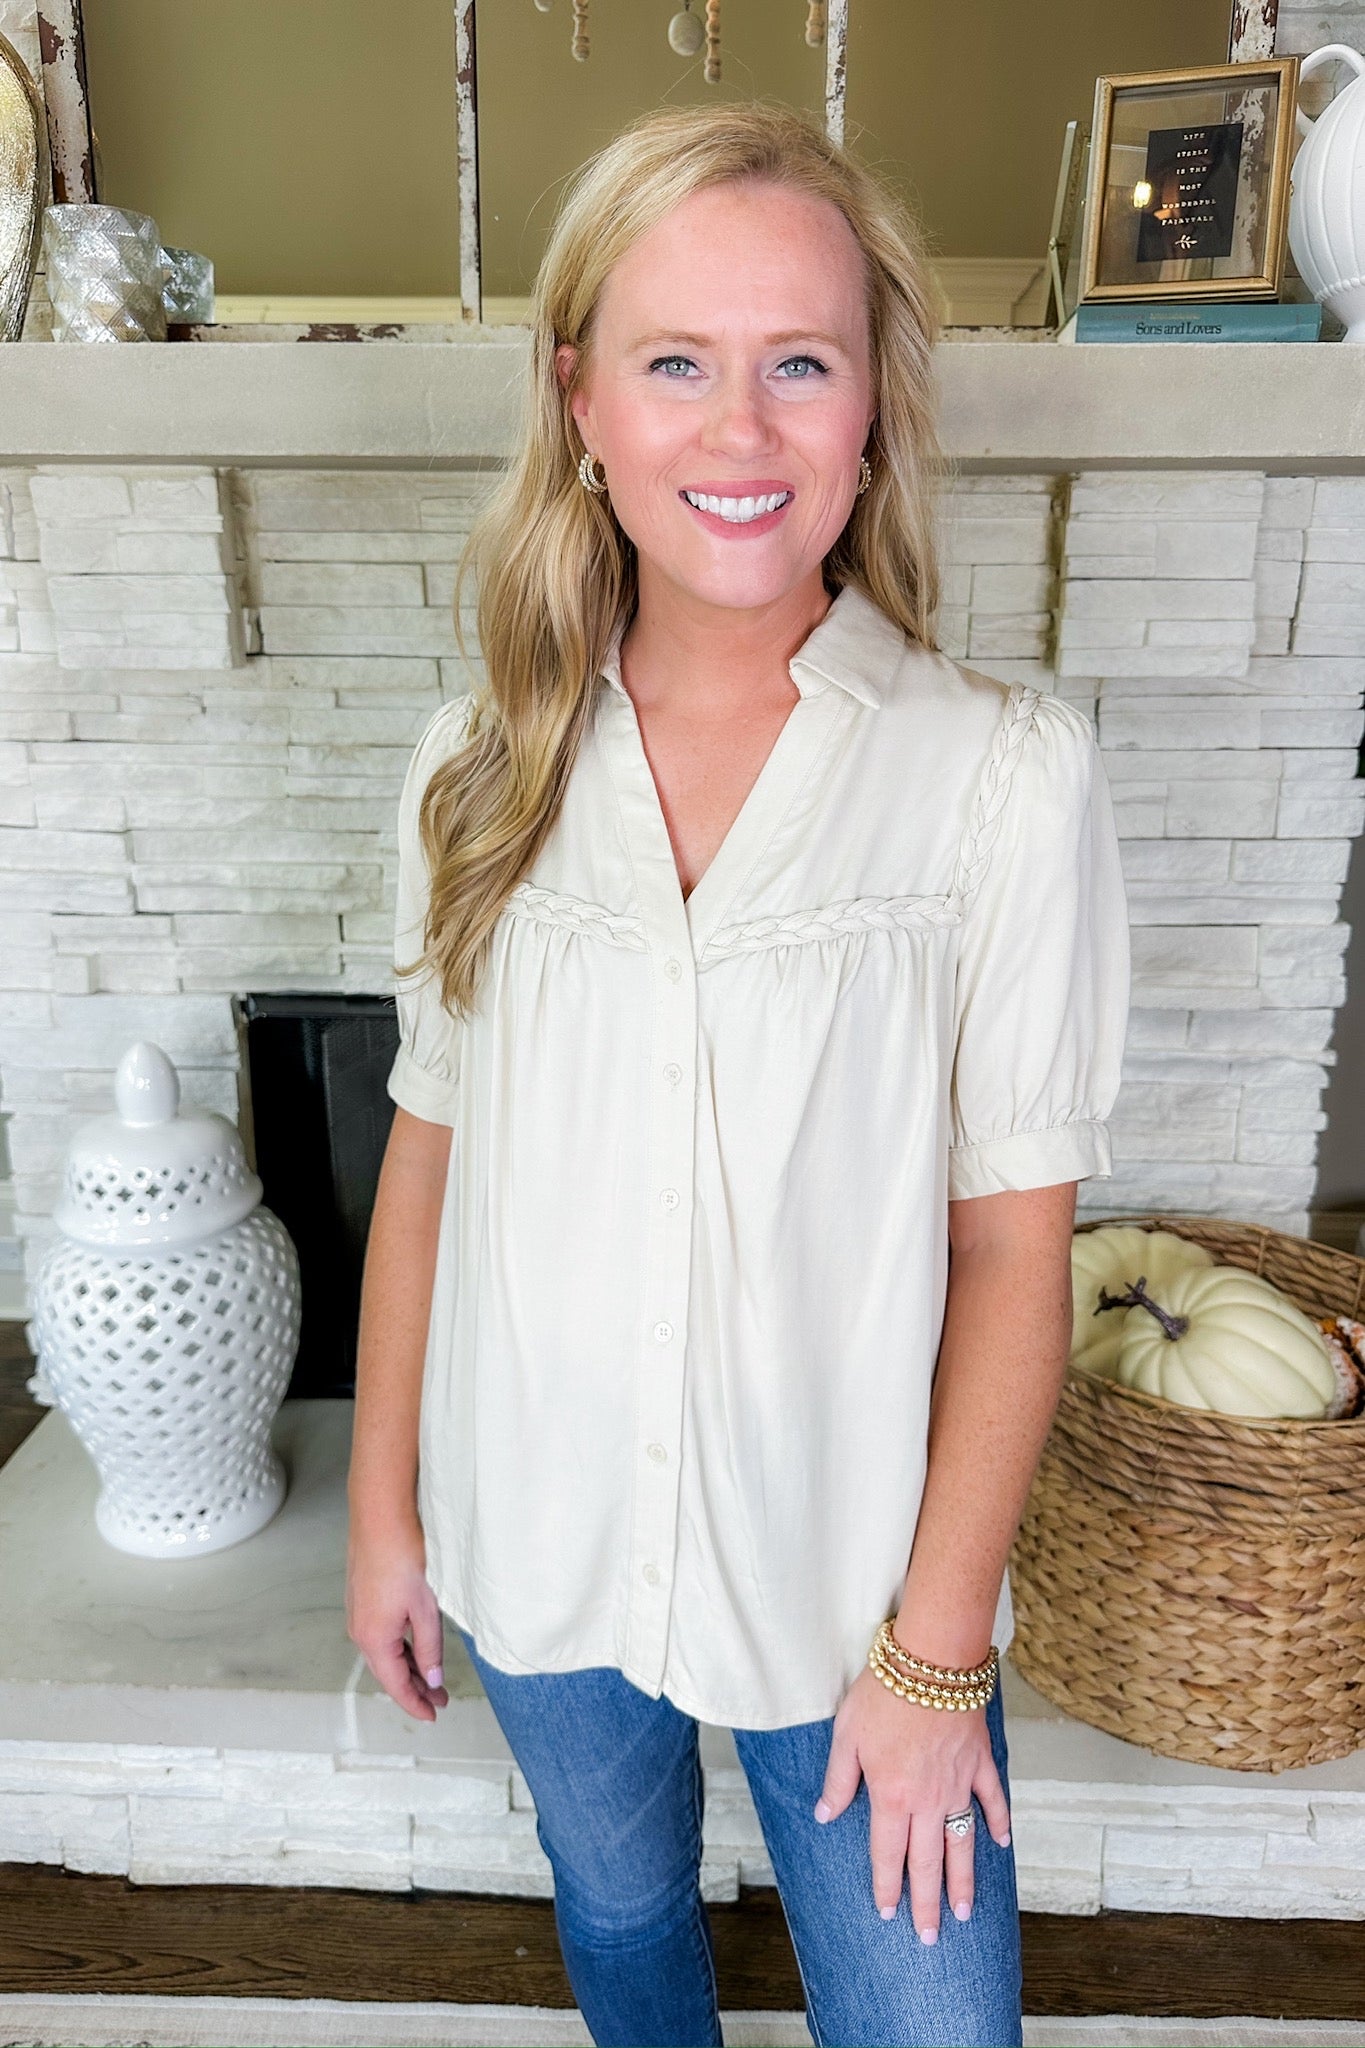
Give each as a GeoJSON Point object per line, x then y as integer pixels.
{"type": "Point", "coordinates": [715, 658]}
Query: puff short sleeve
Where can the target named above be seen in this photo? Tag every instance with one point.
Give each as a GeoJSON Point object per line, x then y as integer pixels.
{"type": "Point", "coordinates": [424, 1077]}
{"type": "Point", "coordinates": [1042, 988]}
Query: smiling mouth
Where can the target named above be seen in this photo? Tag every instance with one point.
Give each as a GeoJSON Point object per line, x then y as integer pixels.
{"type": "Point", "coordinates": [737, 511]}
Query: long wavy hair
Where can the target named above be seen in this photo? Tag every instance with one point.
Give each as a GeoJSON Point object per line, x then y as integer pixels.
{"type": "Point", "coordinates": [556, 573]}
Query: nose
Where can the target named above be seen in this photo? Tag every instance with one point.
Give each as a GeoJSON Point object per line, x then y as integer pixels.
{"type": "Point", "coordinates": [739, 418]}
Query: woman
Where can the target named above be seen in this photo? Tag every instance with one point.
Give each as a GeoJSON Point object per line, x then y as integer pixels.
{"type": "Point", "coordinates": [754, 958]}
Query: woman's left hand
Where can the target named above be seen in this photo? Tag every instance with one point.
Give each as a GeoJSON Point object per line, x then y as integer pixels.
{"type": "Point", "coordinates": [920, 1765]}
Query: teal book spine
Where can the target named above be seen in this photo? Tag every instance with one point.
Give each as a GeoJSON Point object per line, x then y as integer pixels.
{"type": "Point", "coordinates": [1191, 322]}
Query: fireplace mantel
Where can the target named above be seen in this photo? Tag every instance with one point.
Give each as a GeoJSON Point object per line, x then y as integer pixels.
{"type": "Point", "coordinates": [1038, 407]}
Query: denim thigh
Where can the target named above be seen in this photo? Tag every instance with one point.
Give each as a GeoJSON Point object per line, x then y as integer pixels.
{"type": "Point", "coordinates": [868, 1980]}
{"type": "Point", "coordinates": [616, 1780]}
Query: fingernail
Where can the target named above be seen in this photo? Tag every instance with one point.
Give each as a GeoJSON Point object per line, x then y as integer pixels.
{"type": "Point", "coordinates": [1005, 1839]}
{"type": "Point", "coordinates": [821, 1810]}
{"type": "Point", "coordinates": [888, 1912]}
{"type": "Point", "coordinates": [963, 1910]}
{"type": "Point", "coordinates": [434, 1676]}
{"type": "Point", "coordinates": [928, 1934]}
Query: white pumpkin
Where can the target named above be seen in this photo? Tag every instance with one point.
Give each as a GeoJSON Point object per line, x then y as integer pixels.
{"type": "Point", "coordinates": [1216, 1337]}
{"type": "Point", "coordinates": [1110, 1258]}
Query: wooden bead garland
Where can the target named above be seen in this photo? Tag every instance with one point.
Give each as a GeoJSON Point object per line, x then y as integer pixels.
{"type": "Point", "coordinates": [711, 68]}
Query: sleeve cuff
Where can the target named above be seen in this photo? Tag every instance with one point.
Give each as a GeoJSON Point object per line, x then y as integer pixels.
{"type": "Point", "coordinates": [422, 1093]}
{"type": "Point", "coordinates": [1079, 1150]}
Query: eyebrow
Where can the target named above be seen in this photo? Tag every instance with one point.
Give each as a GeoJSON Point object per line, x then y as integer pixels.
{"type": "Point", "coordinates": [663, 334]}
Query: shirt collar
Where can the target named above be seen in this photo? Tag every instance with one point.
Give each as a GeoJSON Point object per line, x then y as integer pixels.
{"type": "Point", "coordinates": [855, 647]}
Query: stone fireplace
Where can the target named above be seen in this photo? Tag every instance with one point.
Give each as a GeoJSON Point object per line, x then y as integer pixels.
{"type": "Point", "coordinates": [221, 630]}
{"type": "Point", "coordinates": [211, 679]}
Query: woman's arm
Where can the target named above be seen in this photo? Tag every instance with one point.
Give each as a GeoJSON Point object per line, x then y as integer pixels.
{"type": "Point", "coordinates": [386, 1587]}
{"type": "Point", "coordinates": [1001, 1363]}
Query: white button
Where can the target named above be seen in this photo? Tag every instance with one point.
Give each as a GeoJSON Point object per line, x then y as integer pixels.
{"type": "Point", "coordinates": [669, 1197]}
{"type": "Point", "coordinates": [651, 1574]}
{"type": "Point", "coordinates": [663, 1331]}
{"type": "Point", "coordinates": [658, 1453]}
{"type": "Point", "coordinates": [673, 968]}
{"type": "Point", "coordinates": [673, 1072]}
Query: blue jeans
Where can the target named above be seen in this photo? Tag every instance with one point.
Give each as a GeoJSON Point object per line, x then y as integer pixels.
{"type": "Point", "coordinates": [617, 1785]}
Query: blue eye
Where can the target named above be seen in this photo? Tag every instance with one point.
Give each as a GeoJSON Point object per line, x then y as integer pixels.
{"type": "Point", "coordinates": [659, 361]}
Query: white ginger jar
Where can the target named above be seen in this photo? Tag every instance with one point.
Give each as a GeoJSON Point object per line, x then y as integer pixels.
{"type": "Point", "coordinates": [167, 1318]}
{"type": "Point", "coordinates": [1327, 199]}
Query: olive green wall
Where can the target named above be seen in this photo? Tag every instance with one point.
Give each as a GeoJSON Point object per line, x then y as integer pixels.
{"type": "Point", "coordinates": [535, 87]}
{"type": "Point", "coordinates": [305, 145]}
{"type": "Point", "coordinates": [966, 101]}
{"type": "Point", "coordinates": [308, 146]}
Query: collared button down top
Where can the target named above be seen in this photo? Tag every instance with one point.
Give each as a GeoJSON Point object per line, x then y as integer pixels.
{"type": "Point", "coordinates": [693, 1255]}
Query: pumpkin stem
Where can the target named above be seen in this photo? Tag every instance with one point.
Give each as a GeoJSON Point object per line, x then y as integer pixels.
{"type": "Point", "coordinates": [1138, 1297]}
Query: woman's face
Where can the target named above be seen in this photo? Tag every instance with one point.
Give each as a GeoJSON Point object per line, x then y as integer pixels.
{"type": "Point", "coordinates": [732, 360]}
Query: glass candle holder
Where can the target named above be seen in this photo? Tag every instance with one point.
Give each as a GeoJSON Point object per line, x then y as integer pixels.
{"type": "Point", "coordinates": [188, 294]}
{"type": "Point", "coordinates": [105, 274]}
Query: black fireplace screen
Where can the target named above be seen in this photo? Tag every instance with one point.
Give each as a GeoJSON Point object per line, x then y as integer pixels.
{"type": "Point", "coordinates": [317, 1067]}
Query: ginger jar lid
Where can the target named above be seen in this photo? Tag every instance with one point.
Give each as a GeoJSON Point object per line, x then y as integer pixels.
{"type": "Point", "coordinates": [152, 1174]}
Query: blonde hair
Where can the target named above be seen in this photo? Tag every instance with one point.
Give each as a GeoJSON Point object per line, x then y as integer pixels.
{"type": "Point", "coordinates": [556, 572]}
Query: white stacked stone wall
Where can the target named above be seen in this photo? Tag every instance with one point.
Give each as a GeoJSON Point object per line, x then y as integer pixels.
{"type": "Point", "coordinates": [159, 1814]}
{"type": "Point", "coordinates": [1304, 25]}
{"type": "Point", "coordinates": [198, 791]}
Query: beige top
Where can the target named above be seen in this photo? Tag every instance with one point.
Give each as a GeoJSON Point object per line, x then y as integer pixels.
{"type": "Point", "coordinates": [693, 1256]}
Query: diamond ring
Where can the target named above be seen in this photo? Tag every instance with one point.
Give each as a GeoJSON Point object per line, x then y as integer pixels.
{"type": "Point", "coordinates": [960, 1824]}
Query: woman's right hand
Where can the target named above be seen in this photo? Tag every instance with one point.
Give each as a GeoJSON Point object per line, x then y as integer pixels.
{"type": "Point", "coordinates": [386, 1596]}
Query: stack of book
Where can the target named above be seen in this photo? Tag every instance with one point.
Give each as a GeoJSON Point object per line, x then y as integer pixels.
{"type": "Point", "coordinates": [1187, 320]}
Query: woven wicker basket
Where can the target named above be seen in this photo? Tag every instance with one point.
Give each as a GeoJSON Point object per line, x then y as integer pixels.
{"type": "Point", "coordinates": [1195, 1582]}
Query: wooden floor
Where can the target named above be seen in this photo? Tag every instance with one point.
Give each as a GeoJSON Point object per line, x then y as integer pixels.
{"type": "Point", "coordinates": [61, 1931]}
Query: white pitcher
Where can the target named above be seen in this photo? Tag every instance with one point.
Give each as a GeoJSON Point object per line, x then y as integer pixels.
{"type": "Point", "coordinates": [1327, 198]}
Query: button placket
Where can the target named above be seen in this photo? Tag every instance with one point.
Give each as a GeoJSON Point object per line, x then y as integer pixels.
{"type": "Point", "coordinates": [659, 1394]}
{"type": "Point", "coordinates": [668, 1193]}
{"type": "Point", "coordinates": [676, 932]}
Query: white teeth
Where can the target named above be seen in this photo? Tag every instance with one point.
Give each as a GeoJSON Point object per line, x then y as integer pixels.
{"type": "Point", "coordinates": [738, 510]}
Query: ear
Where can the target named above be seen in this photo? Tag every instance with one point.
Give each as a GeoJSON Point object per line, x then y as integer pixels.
{"type": "Point", "coordinates": [580, 405]}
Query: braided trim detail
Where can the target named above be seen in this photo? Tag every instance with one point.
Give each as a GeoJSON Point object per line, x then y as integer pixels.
{"type": "Point", "coordinates": [983, 826]}
{"type": "Point", "coordinates": [460, 719]}
{"type": "Point", "coordinates": [854, 914]}
{"type": "Point", "coordinates": [576, 914]}
{"type": "Point", "coordinates": [453, 719]}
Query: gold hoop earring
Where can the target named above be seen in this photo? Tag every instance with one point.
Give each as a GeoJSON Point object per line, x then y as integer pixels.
{"type": "Point", "coordinates": [586, 477]}
{"type": "Point", "coordinates": [864, 475]}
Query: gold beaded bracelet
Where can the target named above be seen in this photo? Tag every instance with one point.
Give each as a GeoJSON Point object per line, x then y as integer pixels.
{"type": "Point", "coordinates": [932, 1697]}
{"type": "Point", "coordinates": [950, 1689]}
{"type": "Point", "coordinates": [926, 1695]}
{"type": "Point", "coordinates": [921, 1672]}
{"type": "Point", "coordinates": [976, 1686]}
{"type": "Point", "coordinates": [977, 1674]}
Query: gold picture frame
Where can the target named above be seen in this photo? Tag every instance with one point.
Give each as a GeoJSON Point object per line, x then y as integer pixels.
{"type": "Point", "coordinates": [1187, 195]}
